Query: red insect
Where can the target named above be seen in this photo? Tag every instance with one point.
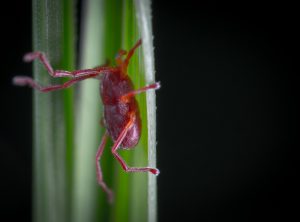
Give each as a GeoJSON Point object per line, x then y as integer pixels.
{"type": "Point", "coordinates": [121, 111]}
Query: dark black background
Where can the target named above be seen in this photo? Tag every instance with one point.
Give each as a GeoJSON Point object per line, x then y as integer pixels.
{"type": "Point", "coordinates": [227, 115]}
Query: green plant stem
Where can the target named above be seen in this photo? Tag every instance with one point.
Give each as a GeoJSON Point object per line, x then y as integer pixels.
{"type": "Point", "coordinates": [52, 131]}
{"type": "Point", "coordinates": [88, 205]}
{"type": "Point", "coordinates": [143, 9]}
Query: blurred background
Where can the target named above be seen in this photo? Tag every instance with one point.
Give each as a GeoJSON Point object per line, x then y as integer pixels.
{"type": "Point", "coordinates": [227, 111]}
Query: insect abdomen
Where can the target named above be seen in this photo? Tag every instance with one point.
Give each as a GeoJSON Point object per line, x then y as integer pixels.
{"type": "Point", "coordinates": [116, 121]}
{"type": "Point", "coordinates": [118, 113]}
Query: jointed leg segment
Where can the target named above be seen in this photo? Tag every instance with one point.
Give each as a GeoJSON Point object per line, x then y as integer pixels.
{"type": "Point", "coordinates": [77, 75]}
{"type": "Point", "coordinates": [29, 57]}
{"type": "Point", "coordinates": [125, 97]}
{"type": "Point", "coordinates": [98, 167]}
{"type": "Point", "coordinates": [119, 158]}
{"type": "Point", "coordinates": [131, 52]}
{"type": "Point", "coordinates": [24, 80]}
{"type": "Point", "coordinates": [124, 64]}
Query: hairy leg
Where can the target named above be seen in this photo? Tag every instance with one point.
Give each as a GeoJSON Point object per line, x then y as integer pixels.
{"type": "Point", "coordinates": [27, 81]}
{"type": "Point", "coordinates": [99, 171]}
{"type": "Point", "coordinates": [127, 96]}
{"type": "Point", "coordinates": [120, 159]}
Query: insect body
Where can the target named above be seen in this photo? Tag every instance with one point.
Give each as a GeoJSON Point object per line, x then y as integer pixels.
{"type": "Point", "coordinates": [121, 112]}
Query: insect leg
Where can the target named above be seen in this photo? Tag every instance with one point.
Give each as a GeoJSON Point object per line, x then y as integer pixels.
{"type": "Point", "coordinates": [24, 80]}
{"type": "Point", "coordinates": [99, 171]}
{"type": "Point", "coordinates": [130, 53]}
{"type": "Point", "coordinates": [29, 57]}
{"type": "Point", "coordinates": [120, 159]}
{"type": "Point", "coordinates": [140, 90]}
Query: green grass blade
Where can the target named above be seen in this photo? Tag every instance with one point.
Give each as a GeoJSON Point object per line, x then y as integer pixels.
{"type": "Point", "coordinates": [143, 9]}
{"type": "Point", "coordinates": [88, 131]}
{"type": "Point", "coordinates": [53, 25]}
